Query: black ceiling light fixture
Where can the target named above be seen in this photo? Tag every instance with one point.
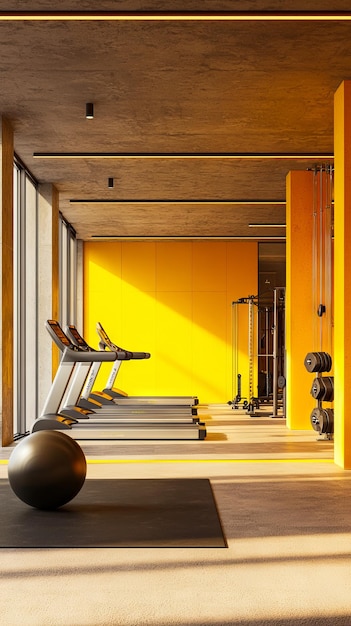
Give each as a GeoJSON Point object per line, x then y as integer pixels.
{"type": "Point", "coordinates": [89, 110]}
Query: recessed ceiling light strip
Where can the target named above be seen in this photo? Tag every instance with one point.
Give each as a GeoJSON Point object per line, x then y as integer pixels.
{"type": "Point", "coordinates": [180, 155]}
{"type": "Point", "coordinates": [188, 237]}
{"type": "Point", "coordinates": [172, 201]}
{"type": "Point", "coordinates": [267, 225]}
{"type": "Point", "coordinates": [135, 16]}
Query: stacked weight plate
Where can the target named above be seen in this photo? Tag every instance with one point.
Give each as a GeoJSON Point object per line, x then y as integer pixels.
{"type": "Point", "coordinates": [322, 419]}
{"type": "Point", "coordinates": [318, 362]}
{"type": "Point", "coordinates": [323, 388]}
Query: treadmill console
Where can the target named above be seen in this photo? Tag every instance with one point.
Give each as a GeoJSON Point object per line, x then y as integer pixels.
{"type": "Point", "coordinates": [59, 337]}
{"type": "Point", "coordinates": [105, 341]}
{"type": "Point", "coordinates": [105, 338]}
{"type": "Point", "coordinates": [81, 343]}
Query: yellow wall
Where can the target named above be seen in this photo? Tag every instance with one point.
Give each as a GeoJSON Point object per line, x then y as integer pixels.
{"type": "Point", "coordinates": [172, 299]}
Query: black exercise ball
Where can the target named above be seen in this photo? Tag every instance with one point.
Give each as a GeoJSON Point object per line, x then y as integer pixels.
{"type": "Point", "coordinates": [47, 469]}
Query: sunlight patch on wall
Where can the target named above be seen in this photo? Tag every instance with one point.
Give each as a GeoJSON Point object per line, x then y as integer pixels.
{"type": "Point", "coordinates": [172, 299]}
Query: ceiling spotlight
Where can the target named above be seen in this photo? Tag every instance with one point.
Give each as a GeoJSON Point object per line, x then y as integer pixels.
{"type": "Point", "coordinates": [110, 183]}
{"type": "Point", "coordinates": [89, 110]}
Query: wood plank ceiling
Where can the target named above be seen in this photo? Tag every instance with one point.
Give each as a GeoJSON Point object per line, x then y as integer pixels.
{"type": "Point", "coordinates": [179, 106]}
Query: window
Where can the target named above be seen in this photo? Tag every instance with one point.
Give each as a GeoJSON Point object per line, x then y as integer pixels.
{"type": "Point", "coordinates": [68, 273]}
{"type": "Point", "coordinates": [29, 382]}
{"type": "Point", "coordinates": [25, 300]}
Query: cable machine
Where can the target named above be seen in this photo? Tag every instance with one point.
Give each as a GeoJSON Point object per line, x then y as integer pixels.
{"type": "Point", "coordinates": [320, 360]}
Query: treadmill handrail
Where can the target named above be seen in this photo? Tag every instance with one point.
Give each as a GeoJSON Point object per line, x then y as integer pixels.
{"type": "Point", "coordinates": [79, 341]}
{"type": "Point", "coordinates": [81, 356]}
{"type": "Point", "coordinates": [105, 342]}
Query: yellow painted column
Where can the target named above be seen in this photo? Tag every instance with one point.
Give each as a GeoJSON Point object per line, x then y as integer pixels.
{"type": "Point", "coordinates": [342, 273]}
{"type": "Point", "coordinates": [7, 280]}
{"type": "Point", "coordinates": [299, 297]}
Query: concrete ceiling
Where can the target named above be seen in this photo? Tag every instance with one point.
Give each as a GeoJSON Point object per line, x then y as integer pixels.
{"type": "Point", "coordinates": [186, 90]}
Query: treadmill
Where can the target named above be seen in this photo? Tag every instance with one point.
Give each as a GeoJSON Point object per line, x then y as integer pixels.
{"type": "Point", "coordinates": [122, 396]}
{"type": "Point", "coordinates": [81, 423]}
{"type": "Point", "coordinates": [126, 405]}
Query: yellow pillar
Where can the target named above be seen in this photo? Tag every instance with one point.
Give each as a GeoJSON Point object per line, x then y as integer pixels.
{"type": "Point", "coordinates": [6, 150]}
{"type": "Point", "coordinates": [342, 273]}
{"type": "Point", "coordinates": [299, 297]}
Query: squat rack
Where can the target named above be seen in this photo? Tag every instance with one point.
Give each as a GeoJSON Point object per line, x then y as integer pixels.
{"type": "Point", "coordinates": [258, 348]}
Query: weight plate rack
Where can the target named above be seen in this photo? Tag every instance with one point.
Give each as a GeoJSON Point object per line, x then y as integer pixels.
{"type": "Point", "coordinates": [322, 419]}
